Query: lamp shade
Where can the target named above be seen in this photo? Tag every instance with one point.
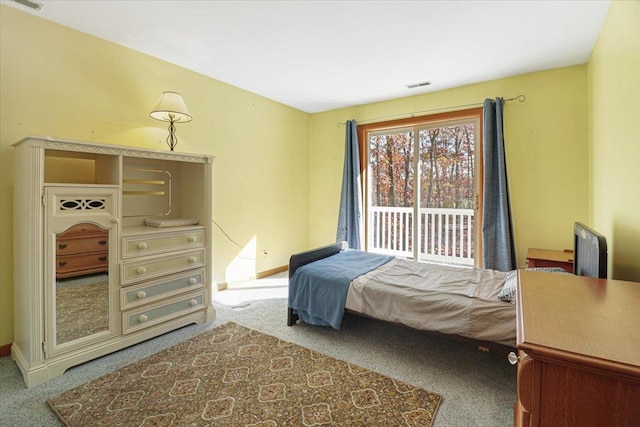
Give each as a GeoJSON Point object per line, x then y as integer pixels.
{"type": "Point", "coordinates": [171, 108]}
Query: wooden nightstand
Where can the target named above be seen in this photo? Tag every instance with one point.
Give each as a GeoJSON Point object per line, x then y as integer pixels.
{"type": "Point", "coordinates": [550, 258]}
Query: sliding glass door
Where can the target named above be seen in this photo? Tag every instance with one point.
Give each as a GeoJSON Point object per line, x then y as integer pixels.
{"type": "Point", "coordinates": [422, 190]}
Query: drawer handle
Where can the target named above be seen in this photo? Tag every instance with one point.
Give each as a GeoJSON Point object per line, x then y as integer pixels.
{"type": "Point", "coordinates": [513, 358]}
{"type": "Point", "coordinates": [192, 281]}
{"type": "Point", "coordinates": [141, 294]}
{"type": "Point", "coordinates": [193, 302]}
{"type": "Point", "coordinates": [191, 239]}
{"type": "Point", "coordinates": [102, 258]}
{"type": "Point", "coordinates": [192, 259]}
{"type": "Point", "coordinates": [141, 270]}
{"type": "Point", "coordinates": [142, 245]}
{"type": "Point", "coordinates": [102, 242]}
{"type": "Point", "coordinates": [143, 318]}
{"type": "Point", "coordinates": [62, 246]}
{"type": "Point", "coordinates": [62, 263]}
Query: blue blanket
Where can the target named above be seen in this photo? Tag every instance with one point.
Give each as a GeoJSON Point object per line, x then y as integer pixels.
{"type": "Point", "coordinates": [318, 291]}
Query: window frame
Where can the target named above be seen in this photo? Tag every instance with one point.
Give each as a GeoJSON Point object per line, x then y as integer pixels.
{"type": "Point", "coordinates": [444, 118]}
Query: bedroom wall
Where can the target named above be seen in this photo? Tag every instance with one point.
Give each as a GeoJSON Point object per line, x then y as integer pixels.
{"type": "Point", "coordinates": [58, 82]}
{"type": "Point", "coordinates": [547, 153]}
{"type": "Point", "coordinates": [614, 89]}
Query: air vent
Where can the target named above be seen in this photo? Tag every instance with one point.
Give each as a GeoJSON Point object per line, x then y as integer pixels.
{"type": "Point", "coordinates": [415, 85]}
{"type": "Point", "coordinates": [32, 4]}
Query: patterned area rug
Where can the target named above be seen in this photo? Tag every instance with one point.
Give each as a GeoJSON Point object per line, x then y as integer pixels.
{"type": "Point", "coordinates": [236, 376]}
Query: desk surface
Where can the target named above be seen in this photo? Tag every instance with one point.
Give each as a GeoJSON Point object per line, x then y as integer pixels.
{"type": "Point", "coordinates": [592, 321]}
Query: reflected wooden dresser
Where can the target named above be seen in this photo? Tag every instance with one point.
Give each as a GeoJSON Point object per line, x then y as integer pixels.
{"type": "Point", "coordinates": [579, 351]}
{"type": "Point", "coordinates": [82, 249]}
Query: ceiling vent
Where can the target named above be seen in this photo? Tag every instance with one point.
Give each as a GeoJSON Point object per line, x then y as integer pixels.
{"type": "Point", "coordinates": [421, 84]}
{"type": "Point", "coordinates": [31, 4]}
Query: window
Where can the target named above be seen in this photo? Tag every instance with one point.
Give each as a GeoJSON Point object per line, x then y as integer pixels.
{"type": "Point", "coordinates": [422, 179]}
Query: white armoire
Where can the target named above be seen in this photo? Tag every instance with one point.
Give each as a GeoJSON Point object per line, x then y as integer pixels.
{"type": "Point", "coordinates": [112, 246]}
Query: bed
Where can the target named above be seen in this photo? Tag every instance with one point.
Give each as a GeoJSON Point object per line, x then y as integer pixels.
{"type": "Point", "coordinates": [459, 302]}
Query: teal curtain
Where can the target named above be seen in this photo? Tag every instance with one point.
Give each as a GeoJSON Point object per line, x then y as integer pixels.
{"type": "Point", "coordinates": [498, 245]}
{"type": "Point", "coordinates": [350, 214]}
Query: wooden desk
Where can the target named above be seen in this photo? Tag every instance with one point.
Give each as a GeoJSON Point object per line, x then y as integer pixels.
{"type": "Point", "coordinates": [550, 258]}
{"type": "Point", "coordinates": [579, 348]}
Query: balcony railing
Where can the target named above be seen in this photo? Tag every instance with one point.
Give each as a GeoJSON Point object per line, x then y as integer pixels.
{"type": "Point", "coordinates": [446, 235]}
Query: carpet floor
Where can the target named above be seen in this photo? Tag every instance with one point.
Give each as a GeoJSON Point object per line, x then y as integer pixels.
{"type": "Point", "coordinates": [478, 389]}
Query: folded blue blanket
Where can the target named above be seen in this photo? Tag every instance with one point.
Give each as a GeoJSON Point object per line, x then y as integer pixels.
{"type": "Point", "coordinates": [318, 291]}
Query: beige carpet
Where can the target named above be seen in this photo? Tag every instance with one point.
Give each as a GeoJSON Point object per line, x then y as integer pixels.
{"type": "Point", "coordinates": [81, 311]}
{"type": "Point", "coordinates": [236, 376]}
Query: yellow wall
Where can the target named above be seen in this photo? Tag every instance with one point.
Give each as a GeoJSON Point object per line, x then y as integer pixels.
{"type": "Point", "coordinates": [546, 140]}
{"type": "Point", "coordinates": [58, 82]}
{"type": "Point", "coordinates": [614, 101]}
{"type": "Point", "coordinates": [278, 170]}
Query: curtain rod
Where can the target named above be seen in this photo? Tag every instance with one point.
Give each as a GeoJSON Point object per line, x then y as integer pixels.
{"type": "Point", "coordinates": [520, 98]}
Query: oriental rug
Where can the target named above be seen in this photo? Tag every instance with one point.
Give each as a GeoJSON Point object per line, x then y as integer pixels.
{"type": "Point", "coordinates": [235, 376]}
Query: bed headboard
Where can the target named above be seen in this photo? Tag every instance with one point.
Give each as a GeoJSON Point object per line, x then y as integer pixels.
{"type": "Point", "coordinates": [589, 252]}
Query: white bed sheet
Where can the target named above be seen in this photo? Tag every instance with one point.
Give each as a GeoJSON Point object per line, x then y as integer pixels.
{"type": "Point", "coordinates": [433, 297]}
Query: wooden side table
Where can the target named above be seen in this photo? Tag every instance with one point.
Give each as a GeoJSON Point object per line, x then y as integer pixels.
{"type": "Point", "coordinates": [550, 258]}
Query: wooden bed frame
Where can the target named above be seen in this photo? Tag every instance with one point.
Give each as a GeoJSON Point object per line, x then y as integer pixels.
{"type": "Point", "coordinates": [590, 253]}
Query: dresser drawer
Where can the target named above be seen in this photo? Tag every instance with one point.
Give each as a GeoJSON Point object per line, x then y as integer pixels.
{"type": "Point", "coordinates": [148, 292]}
{"type": "Point", "coordinates": [149, 268]}
{"type": "Point", "coordinates": [80, 264]}
{"type": "Point", "coordinates": [75, 245]}
{"type": "Point", "coordinates": [163, 311]}
{"type": "Point", "coordinates": [151, 244]}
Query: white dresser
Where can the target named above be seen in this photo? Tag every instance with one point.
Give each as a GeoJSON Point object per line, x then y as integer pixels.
{"type": "Point", "coordinates": [151, 280]}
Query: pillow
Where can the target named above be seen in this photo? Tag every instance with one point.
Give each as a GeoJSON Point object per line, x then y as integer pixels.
{"type": "Point", "coordinates": [508, 292]}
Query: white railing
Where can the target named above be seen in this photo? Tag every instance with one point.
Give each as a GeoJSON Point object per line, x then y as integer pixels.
{"type": "Point", "coordinates": [446, 235]}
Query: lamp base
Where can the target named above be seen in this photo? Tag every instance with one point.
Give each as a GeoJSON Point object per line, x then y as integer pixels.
{"type": "Point", "coordinates": [172, 140]}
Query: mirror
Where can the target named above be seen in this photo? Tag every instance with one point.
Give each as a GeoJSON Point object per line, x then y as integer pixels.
{"type": "Point", "coordinates": [82, 282]}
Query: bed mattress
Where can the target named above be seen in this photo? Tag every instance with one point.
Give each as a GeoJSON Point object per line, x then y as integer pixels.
{"type": "Point", "coordinates": [433, 297]}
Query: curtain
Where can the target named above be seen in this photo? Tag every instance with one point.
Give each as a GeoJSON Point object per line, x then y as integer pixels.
{"type": "Point", "coordinates": [349, 216]}
{"type": "Point", "coordinates": [497, 230]}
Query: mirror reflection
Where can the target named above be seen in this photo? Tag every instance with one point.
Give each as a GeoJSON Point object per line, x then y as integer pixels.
{"type": "Point", "coordinates": [82, 282]}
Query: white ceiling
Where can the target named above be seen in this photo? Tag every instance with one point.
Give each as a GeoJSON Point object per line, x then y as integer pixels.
{"type": "Point", "coordinates": [322, 55]}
